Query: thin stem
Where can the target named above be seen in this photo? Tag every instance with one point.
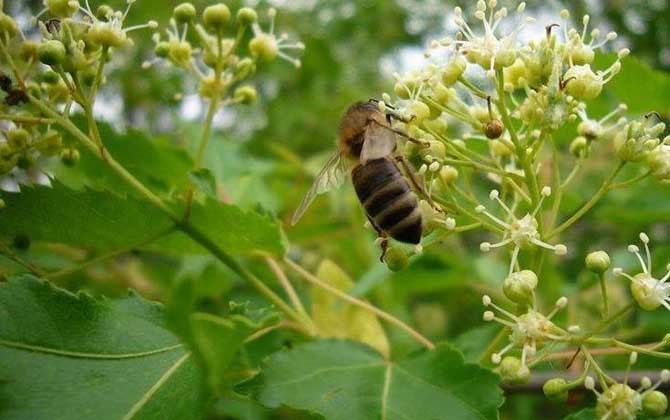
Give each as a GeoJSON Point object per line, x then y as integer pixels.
{"type": "Point", "coordinates": [17, 259]}
{"type": "Point", "coordinates": [98, 74]}
{"type": "Point", "coordinates": [23, 119]}
{"type": "Point", "coordinates": [589, 204]}
{"type": "Point", "coordinates": [607, 322]}
{"type": "Point", "coordinates": [360, 303]}
{"type": "Point", "coordinates": [629, 182]}
{"type": "Point", "coordinates": [70, 270]}
{"type": "Point", "coordinates": [556, 184]}
{"type": "Point", "coordinates": [604, 378]}
{"type": "Point", "coordinates": [493, 345]}
{"type": "Point", "coordinates": [603, 292]}
{"type": "Point", "coordinates": [287, 286]}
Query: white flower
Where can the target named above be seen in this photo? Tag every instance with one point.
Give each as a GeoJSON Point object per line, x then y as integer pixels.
{"type": "Point", "coordinates": [529, 331]}
{"type": "Point", "coordinates": [648, 291]}
{"type": "Point", "coordinates": [108, 31]}
{"type": "Point", "coordinates": [519, 232]}
{"type": "Point", "coordinates": [268, 46]}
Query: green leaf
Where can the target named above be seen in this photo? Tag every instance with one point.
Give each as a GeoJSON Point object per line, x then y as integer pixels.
{"type": "Point", "coordinates": [72, 357]}
{"type": "Point", "coordinates": [343, 380]}
{"type": "Point", "coordinates": [102, 220]}
{"type": "Point", "coordinates": [333, 318]}
{"type": "Point", "coordinates": [204, 180]}
{"type": "Point", "coordinates": [158, 164]}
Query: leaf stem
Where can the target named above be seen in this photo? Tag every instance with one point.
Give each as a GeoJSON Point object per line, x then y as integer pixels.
{"type": "Point", "coordinates": [309, 277]}
{"type": "Point", "coordinates": [9, 253]}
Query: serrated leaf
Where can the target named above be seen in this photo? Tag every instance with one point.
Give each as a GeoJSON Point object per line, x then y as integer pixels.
{"type": "Point", "coordinates": [72, 357]}
{"type": "Point", "coordinates": [336, 319]}
{"type": "Point", "coordinates": [102, 220]}
{"type": "Point", "coordinates": [344, 380]}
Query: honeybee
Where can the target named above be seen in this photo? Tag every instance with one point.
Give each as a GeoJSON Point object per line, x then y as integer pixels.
{"type": "Point", "coordinates": [366, 137]}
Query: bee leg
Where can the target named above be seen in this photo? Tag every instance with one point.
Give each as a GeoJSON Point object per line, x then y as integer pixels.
{"type": "Point", "coordinates": [384, 243]}
{"type": "Point", "coordinates": [415, 183]}
{"type": "Point", "coordinates": [401, 133]}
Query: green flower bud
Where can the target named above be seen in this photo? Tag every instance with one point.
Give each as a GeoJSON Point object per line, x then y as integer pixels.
{"type": "Point", "coordinates": [598, 262]}
{"type": "Point", "coordinates": [556, 389]}
{"type": "Point", "coordinates": [18, 139]}
{"type": "Point", "coordinates": [419, 112]}
{"type": "Point", "coordinates": [50, 143]}
{"type": "Point", "coordinates": [162, 49]}
{"type": "Point", "coordinates": [493, 128]}
{"type": "Point", "coordinates": [579, 147]}
{"type": "Point", "coordinates": [208, 86]}
{"type": "Point", "coordinates": [437, 126]}
{"type": "Point", "coordinates": [28, 50]}
{"type": "Point", "coordinates": [499, 148]}
{"type": "Point", "coordinates": [184, 13]}
{"type": "Point", "coordinates": [448, 174]}
{"type": "Point", "coordinates": [62, 8]}
{"type": "Point", "coordinates": [453, 70]}
{"type": "Point", "coordinates": [619, 399]}
{"type": "Point", "coordinates": [8, 26]}
{"type": "Point", "coordinates": [396, 259]}
{"type": "Point", "coordinates": [21, 242]}
{"type": "Point", "coordinates": [516, 74]}
{"type": "Point", "coordinates": [264, 46]}
{"type": "Point", "coordinates": [104, 12]}
{"type": "Point", "coordinates": [105, 35]}
{"type": "Point", "coordinates": [659, 162]}
{"type": "Point", "coordinates": [51, 52]}
{"type": "Point", "coordinates": [245, 94]}
{"type": "Point", "coordinates": [69, 157]}
{"type": "Point", "coordinates": [244, 68]}
{"type": "Point", "coordinates": [583, 54]}
{"type": "Point", "coordinates": [654, 403]}
{"type": "Point", "coordinates": [246, 16]}
{"type": "Point", "coordinates": [519, 286]}
{"type": "Point", "coordinates": [583, 83]}
{"type": "Point", "coordinates": [513, 372]}
{"type": "Point", "coordinates": [215, 17]}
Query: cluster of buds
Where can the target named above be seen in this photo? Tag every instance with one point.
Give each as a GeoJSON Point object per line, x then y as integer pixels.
{"type": "Point", "coordinates": [618, 401]}
{"type": "Point", "coordinates": [218, 60]}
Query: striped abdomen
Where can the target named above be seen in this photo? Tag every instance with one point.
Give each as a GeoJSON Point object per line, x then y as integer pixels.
{"type": "Point", "coordinates": [388, 199]}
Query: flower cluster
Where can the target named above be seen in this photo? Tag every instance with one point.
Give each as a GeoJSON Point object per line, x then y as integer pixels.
{"type": "Point", "coordinates": [217, 59]}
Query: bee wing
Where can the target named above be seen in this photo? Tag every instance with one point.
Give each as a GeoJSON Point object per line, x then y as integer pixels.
{"type": "Point", "coordinates": [379, 142]}
{"type": "Point", "coordinates": [331, 177]}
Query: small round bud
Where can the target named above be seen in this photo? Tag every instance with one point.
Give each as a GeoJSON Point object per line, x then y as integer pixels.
{"type": "Point", "coordinates": [396, 259]}
{"type": "Point", "coordinates": [519, 286]}
{"type": "Point", "coordinates": [453, 70]}
{"type": "Point", "coordinates": [246, 16]}
{"type": "Point", "coordinates": [244, 68]}
{"type": "Point", "coordinates": [180, 53]}
{"type": "Point", "coordinates": [645, 383]}
{"type": "Point", "coordinates": [489, 316]}
{"type": "Point", "coordinates": [419, 111]}
{"type": "Point", "coordinates": [245, 94]}
{"type": "Point", "coordinates": [61, 8]}
{"type": "Point", "coordinates": [184, 13]}
{"type": "Point", "coordinates": [579, 147]}
{"type": "Point", "coordinates": [583, 83]}
{"type": "Point", "coordinates": [494, 129]}
{"type": "Point", "coordinates": [28, 50]}
{"type": "Point", "coordinates": [560, 249]}
{"type": "Point", "coordinates": [264, 46]}
{"type": "Point", "coordinates": [51, 52]}
{"type": "Point", "coordinates": [598, 262]}
{"type": "Point", "coordinates": [162, 49]}
{"type": "Point", "coordinates": [104, 13]}
{"type": "Point", "coordinates": [215, 17]}
{"type": "Point", "coordinates": [448, 174]}
{"type": "Point", "coordinates": [18, 139]}
{"type": "Point", "coordinates": [654, 403]}
{"type": "Point", "coordinates": [8, 26]}
{"type": "Point", "coordinates": [69, 157]}
{"type": "Point", "coordinates": [589, 383]}
{"type": "Point", "coordinates": [513, 371]}
{"type": "Point", "coordinates": [21, 242]}
{"type": "Point", "coordinates": [556, 389]}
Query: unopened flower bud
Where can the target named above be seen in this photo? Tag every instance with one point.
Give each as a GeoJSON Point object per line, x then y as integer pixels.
{"type": "Point", "coordinates": [659, 162]}
{"type": "Point", "coordinates": [419, 112]}
{"type": "Point", "coordinates": [247, 16]}
{"type": "Point", "coordinates": [245, 94]}
{"type": "Point", "coordinates": [215, 17]}
{"type": "Point", "coordinates": [396, 259]}
{"type": "Point", "coordinates": [494, 128]}
{"type": "Point", "coordinates": [8, 26]}
{"type": "Point", "coordinates": [162, 49]}
{"type": "Point", "coordinates": [62, 8]}
{"type": "Point", "coordinates": [184, 13]}
{"type": "Point", "coordinates": [51, 52]}
{"type": "Point", "coordinates": [498, 148]}
{"type": "Point", "coordinates": [18, 139]}
{"type": "Point", "coordinates": [104, 13]}
{"type": "Point", "coordinates": [654, 403]}
{"type": "Point", "coordinates": [519, 286]}
{"type": "Point", "coordinates": [437, 126]}
{"type": "Point", "coordinates": [180, 53]}
{"type": "Point", "coordinates": [513, 371]}
{"type": "Point", "coordinates": [579, 147]}
{"type": "Point", "coordinates": [598, 262]}
{"type": "Point", "coordinates": [556, 389]}
{"type": "Point", "coordinates": [448, 174]}
{"type": "Point", "coordinates": [453, 70]}
{"type": "Point", "coordinates": [69, 157]}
